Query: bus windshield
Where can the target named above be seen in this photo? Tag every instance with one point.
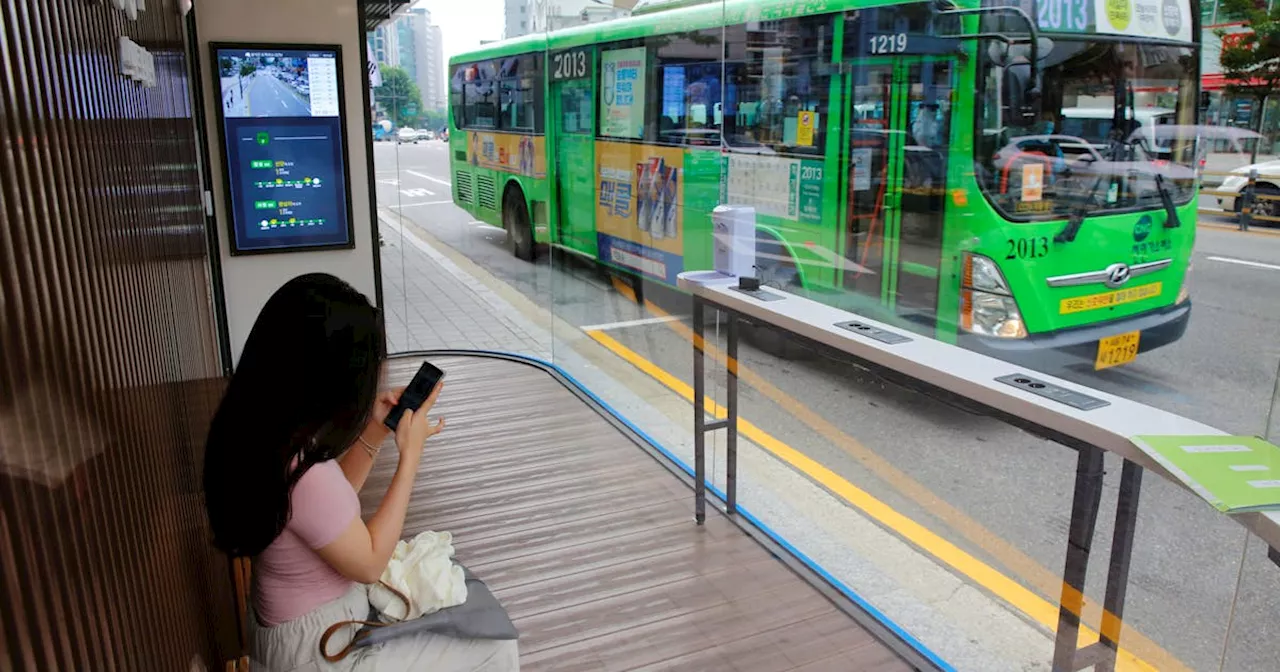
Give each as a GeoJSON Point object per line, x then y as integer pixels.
{"type": "Point", "coordinates": [1116, 131]}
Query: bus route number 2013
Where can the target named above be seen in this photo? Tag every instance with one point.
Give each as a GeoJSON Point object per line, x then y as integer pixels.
{"type": "Point", "coordinates": [569, 65]}
{"type": "Point", "coordinates": [1028, 248]}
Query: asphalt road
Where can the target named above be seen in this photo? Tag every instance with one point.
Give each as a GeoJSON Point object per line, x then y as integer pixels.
{"type": "Point", "coordinates": [995, 491]}
{"type": "Point", "coordinates": [269, 96]}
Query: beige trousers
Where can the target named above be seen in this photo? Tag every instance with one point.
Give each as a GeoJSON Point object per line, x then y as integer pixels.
{"type": "Point", "coordinates": [294, 646]}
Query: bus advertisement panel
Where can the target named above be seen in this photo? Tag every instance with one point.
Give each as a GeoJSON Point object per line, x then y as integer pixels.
{"type": "Point", "coordinates": [508, 152]}
{"type": "Point", "coordinates": [622, 93]}
{"type": "Point", "coordinates": [639, 215]}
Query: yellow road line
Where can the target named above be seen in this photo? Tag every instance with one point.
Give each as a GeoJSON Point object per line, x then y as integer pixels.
{"type": "Point", "coordinates": [1013, 593]}
{"type": "Point", "coordinates": [1022, 565]}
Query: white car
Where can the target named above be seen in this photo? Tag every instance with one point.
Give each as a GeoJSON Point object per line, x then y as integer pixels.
{"type": "Point", "coordinates": [407, 135]}
{"type": "Point", "coordinates": [1268, 184]}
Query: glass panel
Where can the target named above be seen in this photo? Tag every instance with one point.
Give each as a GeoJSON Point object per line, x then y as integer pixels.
{"type": "Point", "coordinates": [1116, 132]}
{"type": "Point", "coordinates": [462, 188]}
{"type": "Point", "coordinates": [886, 168]}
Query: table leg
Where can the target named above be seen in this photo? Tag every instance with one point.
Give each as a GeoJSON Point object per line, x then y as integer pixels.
{"type": "Point", "coordinates": [1121, 554]}
{"type": "Point", "coordinates": [1084, 518]}
{"type": "Point", "coordinates": [731, 439]}
{"type": "Point", "coordinates": [699, 417]}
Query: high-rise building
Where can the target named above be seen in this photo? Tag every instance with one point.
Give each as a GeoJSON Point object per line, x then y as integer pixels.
{"type": "Point", "coordinates": [383, 40]}
{"type": "Point", "coordinates": [516, 13]}
{"type": "Point", "coordinates": [411, 42]}
{"type": "Point", "coordinates": [406, 29]}
{"type": "Point", "coordinates": [551, 15]}
{"type": "Point", "coordinates": [535, 16]}
{"type": "Point", "coordinates": [434, 96]}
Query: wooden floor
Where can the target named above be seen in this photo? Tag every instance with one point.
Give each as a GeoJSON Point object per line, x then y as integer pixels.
{"type": "Point", "coordinates": [591, 545]}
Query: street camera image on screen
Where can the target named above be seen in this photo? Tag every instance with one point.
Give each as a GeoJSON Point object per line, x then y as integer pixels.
{"type": "Point", "coordinates": [279, 84]}
{"type": "Point", "coordinates": [283, 128]}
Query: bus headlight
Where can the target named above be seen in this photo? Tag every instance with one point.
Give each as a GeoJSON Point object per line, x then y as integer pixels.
{"type": "Point", "coordinates": [1185, 292]}
{"type": "Point", "coordinates": [987, 307]}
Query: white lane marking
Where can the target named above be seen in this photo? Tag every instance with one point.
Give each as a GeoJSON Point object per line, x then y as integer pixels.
{"type": "Point", "coordinates": [414, 205]}
{"type": "Point", "coordinates": [631, 323]}
{"type": "Point", "coordinates": [1243, 262]}
{"type": "Point", "coordinates": [417, 193]}
{"type": "Point", "coordinates": [394, 183]}
{"type": "Point", "coordinates": [428, 177]}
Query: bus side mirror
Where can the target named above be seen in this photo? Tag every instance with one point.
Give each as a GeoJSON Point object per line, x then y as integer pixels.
{"type": "Point", "coordinates": [1020, 88]}
{"type": "Point", "coordinates": [1021, 95]}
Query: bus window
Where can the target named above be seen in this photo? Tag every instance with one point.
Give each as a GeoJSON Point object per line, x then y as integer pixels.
{"type": "Point", "coordinates": [777, 84]}
{"type": "Point", "coordinates": [520, 90]}
{"type": "Point", "coordinates": [689, 106]}
{"type": "Point", "coordinates": [576, 107]}
{"type": "Point", "coordinates": [480, 105]}
{"type": "Point", "coordinates": [456, 83]}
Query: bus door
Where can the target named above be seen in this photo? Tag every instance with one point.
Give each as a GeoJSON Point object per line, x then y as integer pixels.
{"type": "Point", "coordinates": [573, 115]}
{"type": "Point", "coordinates": [899, 111]}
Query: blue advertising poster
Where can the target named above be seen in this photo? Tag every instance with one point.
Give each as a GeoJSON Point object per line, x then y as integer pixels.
{"type": "Point", "coordinates": [285, 150]}
{"type": "Point", "coordinates": [673, 92]}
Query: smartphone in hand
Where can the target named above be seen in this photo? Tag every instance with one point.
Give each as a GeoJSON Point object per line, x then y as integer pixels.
{"type": "Point", "coordinates": [423, 384]}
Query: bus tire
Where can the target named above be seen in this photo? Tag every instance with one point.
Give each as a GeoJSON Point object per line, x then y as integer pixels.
{"type": "Point", "coordinates": [515, 219]}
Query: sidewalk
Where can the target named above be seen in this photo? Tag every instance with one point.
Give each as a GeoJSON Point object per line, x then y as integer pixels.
{"type": "Point", "coordinates": [433, 305]}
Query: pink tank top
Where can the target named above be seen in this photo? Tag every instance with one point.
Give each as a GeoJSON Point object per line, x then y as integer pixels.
{"type": "Point", "coordinates": [290, 579]}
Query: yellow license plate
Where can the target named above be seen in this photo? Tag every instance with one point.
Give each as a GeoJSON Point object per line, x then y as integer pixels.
{"type": "Point", "coordinates": [1117, 350]}
{"type": "Point", "coordinates": [1108, 299]}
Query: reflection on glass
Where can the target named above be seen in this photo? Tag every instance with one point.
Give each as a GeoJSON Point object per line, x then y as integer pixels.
{"type": "Point", "coordinates": [1115, 131]}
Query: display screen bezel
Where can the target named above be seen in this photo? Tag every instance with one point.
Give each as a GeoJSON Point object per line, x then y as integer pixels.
{"type": "Point", "coordinates": [236, 246]}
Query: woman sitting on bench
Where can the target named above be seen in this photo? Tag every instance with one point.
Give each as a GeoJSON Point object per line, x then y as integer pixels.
{"type": "Point", "coordinates": [290, 446]}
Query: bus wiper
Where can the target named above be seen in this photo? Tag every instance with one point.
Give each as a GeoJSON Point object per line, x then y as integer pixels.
{"type": "Point", "coordinates": [1076, 219]}
{"type": "Point", "coordinates": [1171, 221]}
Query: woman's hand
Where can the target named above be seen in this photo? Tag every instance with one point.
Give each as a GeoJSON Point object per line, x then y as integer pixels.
{"type": "Point", "coordinates": [414, 430]}
{"type": "Point", "coordinates": [376, 431]}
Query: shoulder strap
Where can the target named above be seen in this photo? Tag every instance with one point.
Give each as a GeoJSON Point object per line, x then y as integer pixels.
{"type": "Point", "coordinates": [333, 629]}
{"type": "Point", "coordinates": [346, 650]}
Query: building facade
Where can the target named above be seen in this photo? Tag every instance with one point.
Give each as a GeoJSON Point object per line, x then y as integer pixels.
{"type": "Point", "coordinates": [516, 16]}
{"type": "Point", "coordinates": [434, 95]}
{"type": "Point", "coordinates": [1219, 106]}
{"type": "Point", "coordinates": [536, 16]}
{"type": "Point", "coordinates": [412, 42]}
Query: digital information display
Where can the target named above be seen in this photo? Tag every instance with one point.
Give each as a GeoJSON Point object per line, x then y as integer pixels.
{"type": "Point", "coordinates": [284, 147]}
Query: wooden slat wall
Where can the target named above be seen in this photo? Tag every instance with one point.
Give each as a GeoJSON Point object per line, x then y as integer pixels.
{"type": "Point", "coordinates": [108, 359]}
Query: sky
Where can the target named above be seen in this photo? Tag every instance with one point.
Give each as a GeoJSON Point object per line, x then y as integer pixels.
{"type": "Point", "coordinates": [464, 23]}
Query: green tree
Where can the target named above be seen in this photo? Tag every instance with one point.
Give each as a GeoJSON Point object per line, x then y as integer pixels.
{"type": "Point", "coordinates": [398, 94]}
{"type": "Point", "coordinates": [246, 69]}
{"type": "Point", "coordinates": [1251, 60]}
{"type": "Point", "coordinates": [432, 119]}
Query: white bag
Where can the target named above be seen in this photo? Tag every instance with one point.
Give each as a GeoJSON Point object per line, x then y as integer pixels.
{"type": "Point", "coordinates": [423, 570]}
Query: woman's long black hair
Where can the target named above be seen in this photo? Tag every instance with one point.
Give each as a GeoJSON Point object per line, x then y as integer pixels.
{"type": "Point", "coordinates": [304, 389]}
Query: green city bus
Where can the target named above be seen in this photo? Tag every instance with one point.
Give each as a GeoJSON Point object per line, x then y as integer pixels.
{"type": "Point", "coordinates": [945, 169]}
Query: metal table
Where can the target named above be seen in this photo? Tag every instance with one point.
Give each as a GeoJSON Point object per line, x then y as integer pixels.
{"type": "Point", "coordinates": [1090, 421]}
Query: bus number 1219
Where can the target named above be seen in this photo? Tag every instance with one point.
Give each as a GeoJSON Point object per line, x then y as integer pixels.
{"type": "Point", "coordinates": [889, 44]}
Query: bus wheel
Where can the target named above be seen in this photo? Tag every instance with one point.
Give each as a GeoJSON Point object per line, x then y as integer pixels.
{"type": "Point", "coordinates": [515, 219]}
{"type": "Point", "coordinates": [776, 269]}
